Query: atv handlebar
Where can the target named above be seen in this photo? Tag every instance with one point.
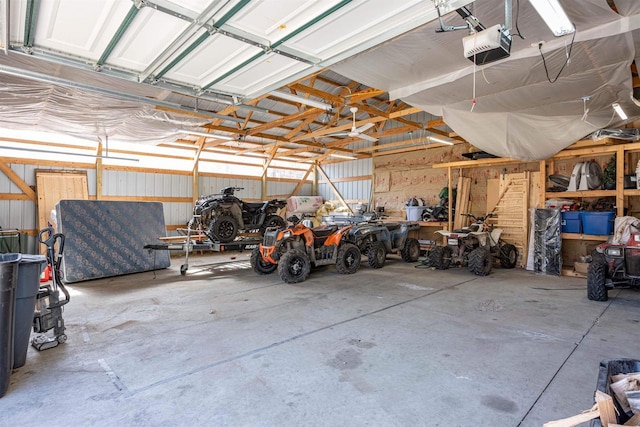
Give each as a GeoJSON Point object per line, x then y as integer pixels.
{"type": "Point", "coordinates": [479, 218]}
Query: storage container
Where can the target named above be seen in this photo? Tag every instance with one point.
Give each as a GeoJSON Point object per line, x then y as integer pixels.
{"type": "Point", "coordinates": [414, 213]}
{"type": "Point", "coordinates": [571, 222]}
{"type": "Point", "coordinates": [600, 223]}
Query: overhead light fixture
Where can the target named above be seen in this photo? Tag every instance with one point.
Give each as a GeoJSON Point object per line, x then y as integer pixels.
{"type": "Point", "coordinates": [302, 100]}
{"type": "Point", "coordinates": [440, 140]}
{"type": "Point", "coordinates": [252, 108]}
{"type": "Point", "coordinates": [619, 111]}
{"type": "Point", "coordinates": [343, 156]}
{"type": "Point", "coordinates": [554, 16]}
{"type": "Point", "coordinates": [206, 135]}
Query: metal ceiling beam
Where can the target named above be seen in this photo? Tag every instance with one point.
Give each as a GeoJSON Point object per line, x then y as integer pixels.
{"type": "Point", "coordinates": [234, 10]}
{"type": "Point", "coordinates": [31, 18]}
{"type": "Point", "coordinates": [279, 42]}
{"type": "Point", "coordinates": [124, 25]}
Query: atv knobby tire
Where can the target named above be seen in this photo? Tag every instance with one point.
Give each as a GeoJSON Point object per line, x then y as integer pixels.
{"type": "Point", "coordinates": [411, 250]}
{"type": "Point", "coordinates": [223, 229]}
{"type": "Point", "coordinates": [376, 255]}
{"type": "Point", "coordinates": [480, 262]}
{"type": "Point", "coordinates": [294, 266]}
{"type": "Point", "coordinates": [259, 265]}
{"type": "Point", "coordinates": [348, 260]}
{"type": "Point", "coordinates": [440, 257]}
{"type": "Point", "coordinates": [596, 277]}
{"type": "Point", "coordinates": [508, 256]}
{"type": "Point", "coordinates": [272, 221]}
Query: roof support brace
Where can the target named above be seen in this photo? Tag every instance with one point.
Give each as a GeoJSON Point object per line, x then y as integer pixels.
{"type": "Point", "coordinates": [118, 35]}
{"type": "Point", "coordinates": [30, 22]}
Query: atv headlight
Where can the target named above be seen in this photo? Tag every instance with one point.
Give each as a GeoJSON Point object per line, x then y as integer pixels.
{"type": "Point", "coordinates": [286, 234]}
{"type": "Point", "coordinates": [613, 251]}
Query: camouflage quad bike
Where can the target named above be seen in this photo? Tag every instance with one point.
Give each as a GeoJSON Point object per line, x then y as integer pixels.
{"type": "Point", "coordinates": [377, 239]}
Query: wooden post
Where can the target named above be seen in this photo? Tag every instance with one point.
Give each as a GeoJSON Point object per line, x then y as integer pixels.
{"type": "Point", "coordinates": [542, 196]}
{"type": "Point", "coordinates": [449, 215]}
{"type": "Point", "coordinates": [99, 171]}
{"type": "Point", "coordinates": [620, 180]}
{"type": "Point", "coordinates": [314, 184]}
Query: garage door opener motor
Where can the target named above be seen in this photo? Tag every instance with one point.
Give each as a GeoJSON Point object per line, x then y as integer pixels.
{"type": "Point", "coordinates": [49, 306]}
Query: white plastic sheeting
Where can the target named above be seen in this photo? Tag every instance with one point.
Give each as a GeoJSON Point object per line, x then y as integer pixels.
{"type": "Point", "coordinates": [518, 113]}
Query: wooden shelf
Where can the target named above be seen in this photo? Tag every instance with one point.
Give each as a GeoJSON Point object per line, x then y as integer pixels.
{"type": "Point", "coordinates": [632, 192]}
{"type": "Point", "coordinates": [578, 236]}
{"type": "Point", "coordinates": [582, 194]}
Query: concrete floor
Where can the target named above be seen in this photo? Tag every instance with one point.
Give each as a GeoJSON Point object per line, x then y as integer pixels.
{"type": "Point", "coordinates": [399, 346]}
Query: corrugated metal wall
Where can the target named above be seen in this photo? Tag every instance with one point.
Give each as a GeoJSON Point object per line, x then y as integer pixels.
{"type": "Point", "coordinates": [349, 190]}
{"type": "Point", "coordinates": [22, 214]}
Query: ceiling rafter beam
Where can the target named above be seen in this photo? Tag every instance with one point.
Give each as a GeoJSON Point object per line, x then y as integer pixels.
{"type": "Point", "coordinates": [311, 112]}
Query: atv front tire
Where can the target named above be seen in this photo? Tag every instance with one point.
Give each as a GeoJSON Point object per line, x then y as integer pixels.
{"type": "Point", "coordinates": [440, 257]}
{"type": "Point", "coordinates": [376, 255]}
{"type": "Point", "coordinates": [272, 221]}
{"type": "Point", "coordinates": [259, 265]}
{"type": "Point", "coordinates": [349, 257]}
{"type": "Point", "coordinates": [480, 262]}
{"type": "Point", "coordinates": [411, 250]}
{"type": "Point", "coordinates": [223, 229]}
{"type": "Point", "coordinates": [294, 266]}
{"type": "Point", "coordinates": [596, 277]}
{"type": "Point", "coordinates": [508, 256]}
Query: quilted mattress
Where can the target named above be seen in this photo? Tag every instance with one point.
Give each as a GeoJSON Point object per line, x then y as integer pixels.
{"type": "Point", "coordinates": [107, 238]}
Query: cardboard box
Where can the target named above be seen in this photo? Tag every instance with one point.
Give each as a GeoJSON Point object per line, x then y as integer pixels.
{"type": "Point", "coordinates": [580, 267]}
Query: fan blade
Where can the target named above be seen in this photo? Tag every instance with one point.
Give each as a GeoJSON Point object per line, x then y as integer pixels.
{"type": "Point", "coordinates": [364, 127]}
{"type": "Point", "coordinates": [338, 134]}
{"type": "Point", "coordinates": [367, 137]}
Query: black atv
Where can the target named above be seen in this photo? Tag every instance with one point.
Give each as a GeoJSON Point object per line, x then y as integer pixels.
{"type": "Point", "coordinates": [377, 239]}
{"type": "Point", "coordinates": [614, 266]}
{"type": "Point", "coordinates": [221, 216]}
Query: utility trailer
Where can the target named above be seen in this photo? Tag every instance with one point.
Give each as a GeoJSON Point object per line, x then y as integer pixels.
{"type": "Point", "coordinates": [193, 243]}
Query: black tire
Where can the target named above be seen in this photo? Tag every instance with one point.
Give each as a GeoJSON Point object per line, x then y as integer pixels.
{"type": "Point", "coordinates": [294, 266]}
{"type": "Point", "coordinates": [272, 221]}
{"type": "Point", "coordinates": [223, 229]}
{"type": "Point", "coordinates": [480, 262]}
{"type": "Point", "coordinates": [596, 277]}
{"type": "Point", "coordinates": [508, 256]}
{"type": "Point", "coordinates": [440, 257]}
{"type": "Point", "coordinates": [259, 264]}
{"type": "Point", "coordinates": [411, 250]}
{"type": "Point", "coordinates": [348, 260]}
{"type": "Point", "coordinates": [376, 255]}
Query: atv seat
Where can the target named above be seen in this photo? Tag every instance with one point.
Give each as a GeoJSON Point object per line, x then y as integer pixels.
{"type": "Point", "coordinates": [324, 232]}
{"type": "Point", "coordinates": [253, 205]}
{"type": "Point", "coordinates": [392, 227]}
{"type": "Point", "coordinates": [462, 230]}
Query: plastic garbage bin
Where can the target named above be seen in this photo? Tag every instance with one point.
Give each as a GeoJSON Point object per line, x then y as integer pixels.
{"type": "Point", "coordinates": [27, 288]}
{"type": "Point", "coordinates": [8, 281]}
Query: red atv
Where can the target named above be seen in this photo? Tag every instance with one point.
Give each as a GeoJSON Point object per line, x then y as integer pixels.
{"type": "Point", "coordinates": [614, 266]}
{"type": "Point", "coordinates": [294, 250]}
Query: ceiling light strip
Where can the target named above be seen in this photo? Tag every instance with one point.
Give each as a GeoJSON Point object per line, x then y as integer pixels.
{"type": "Point", "coordinates": [619, 111]}
{"type": "Point", "coordinates": [278, 43]}
{"type": "Point", "coordinates": [234, 10]}
{"type": "Point", "coordinates": [554, 16]}
{"type": "Point", "coordinates": [124, 25]}
{"type": "Point", "coordinates": [301, 100]}
{"type": "Point", "coordinates": [440, 140]}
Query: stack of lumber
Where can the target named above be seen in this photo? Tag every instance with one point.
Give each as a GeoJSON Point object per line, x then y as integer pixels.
{"type": "Point", "coordinates": [462, 203]}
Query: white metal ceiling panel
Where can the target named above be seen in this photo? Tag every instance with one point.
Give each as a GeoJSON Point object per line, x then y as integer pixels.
{"type": "Point", "coordinates": [268, 70]}
{"type": "Point", "coordinates": [142, 42]}
{"type": "Point", "coordinates": [216, 56]}
{"type": "Point", "coordinates": [78, 27]}
{"type": "Point", "coordinates": [355, 23]}
{"type": "Point", "coordinates": [17, 9]}
{"type": "Point", "coordinates": [273, 20]}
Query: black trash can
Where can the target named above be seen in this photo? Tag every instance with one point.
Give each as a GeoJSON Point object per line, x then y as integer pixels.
{"type": "Point", "coordinates": [27, 288]}
{"type": "Point", "coordinates": [608, 368]}
{"type": "Point", "coordinates": [8, 281]}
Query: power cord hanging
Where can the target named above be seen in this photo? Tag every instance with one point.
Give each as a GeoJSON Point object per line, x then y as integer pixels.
{"type": "Point", "coordinates": [567, 60]}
